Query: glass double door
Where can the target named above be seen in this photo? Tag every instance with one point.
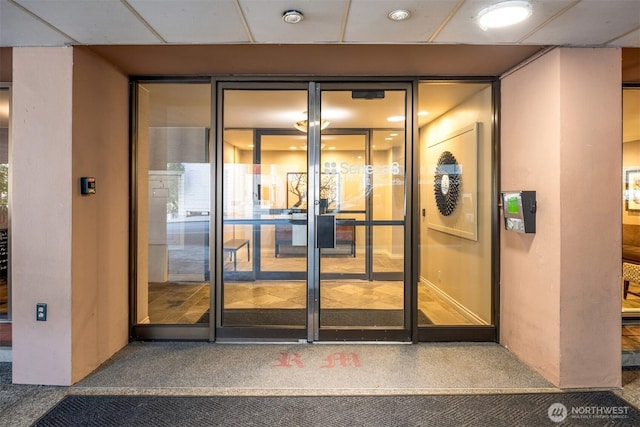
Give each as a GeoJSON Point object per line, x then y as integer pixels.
{"type": "Point", "coordinates": [311, 236]}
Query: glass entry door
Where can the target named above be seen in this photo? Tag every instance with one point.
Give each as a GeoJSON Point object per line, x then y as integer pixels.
{"type": "Point", "coordinates": [311, 225]}
{"type": "Point", "coordinates": [361, 282]}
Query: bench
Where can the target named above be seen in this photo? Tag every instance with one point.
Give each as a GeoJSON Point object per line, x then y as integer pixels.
{"type": "Point", "coordinates": [233, 246]}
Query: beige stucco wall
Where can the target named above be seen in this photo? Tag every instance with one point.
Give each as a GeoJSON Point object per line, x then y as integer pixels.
{"type": "Point", "coordinates": [560, 287]}
{"type": "Point", "coordinates": [41, 214]}
{"type": "Point", "coordinates": [69, 251]}
{"type": "Point", "coordinates": [100, 222]}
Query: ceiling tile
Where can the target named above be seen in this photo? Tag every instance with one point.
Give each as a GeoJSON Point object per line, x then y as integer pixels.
{"type": "Point", "coordinates": [630, 40]}
{"type": "Point", "coordinates": [368, 21]}
{"type": "Point", "coordinates": [463, 27]}
{"type": "Point", "coordinates": [18, 28]}
{"type": "Point", "coordinates": [92, 22]}
{"type": "Point", "coordinates": [322, 20]}
{"type": "Point", "coordinates": [193, 21]}
{"type": "Point", "coordinates": [591, 22]}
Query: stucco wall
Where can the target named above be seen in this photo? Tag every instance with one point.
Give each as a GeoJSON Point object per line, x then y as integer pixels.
{"type": "Point", "coordinates": [41, 213]}
{"type": "Point", "coordinates": [560, 287]}
{"type": "Point", "coordinates": [69, 251]}
{"type": "Point", "coordinates": [100, 222]}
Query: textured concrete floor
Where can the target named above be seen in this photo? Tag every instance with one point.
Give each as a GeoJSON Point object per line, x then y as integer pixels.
{"type": "Point", "coordinates": [293, 370]}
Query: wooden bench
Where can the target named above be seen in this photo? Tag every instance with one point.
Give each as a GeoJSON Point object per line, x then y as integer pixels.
{"type": "Point", "coordinates": [233, 246]}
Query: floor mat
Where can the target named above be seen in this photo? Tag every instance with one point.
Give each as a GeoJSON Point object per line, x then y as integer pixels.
{"type": "Point", "coordinates": [495, 410]}
{"type": "Point", "coordinates": [5, 373]}
{"type": "Point", "coordinates": [328, 317]}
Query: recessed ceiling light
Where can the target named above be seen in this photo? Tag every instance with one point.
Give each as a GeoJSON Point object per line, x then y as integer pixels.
{"type": "Point", "coordinates": [292, 16]}
{"type": "Point", "coordinates": [399, 15]}
{"type": "Point", "coordinates": [423, 113]}
{"type": "Point", "coordinates": [504, 14]}
{"type": "Point", "coordinates": [293, 148]}
{"type": "Point", "coordinates": [395, 119]}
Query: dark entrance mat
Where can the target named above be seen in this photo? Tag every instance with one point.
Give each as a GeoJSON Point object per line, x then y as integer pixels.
{"type": "Point", "coordinates": [5, 373]}
{"type": "Point", "coordinates": [328, 317]}
{"type": "Point", "coordinates": [495, 410]}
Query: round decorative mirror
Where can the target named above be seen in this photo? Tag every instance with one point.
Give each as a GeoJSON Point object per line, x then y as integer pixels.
{"type": "Point", "coordinates": [446, 183]}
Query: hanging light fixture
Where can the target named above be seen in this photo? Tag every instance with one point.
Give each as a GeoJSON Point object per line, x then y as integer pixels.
{"type": "Point", "coordinates": [504, 14]}
{"type": "Point", "coordinates": [303, 125]}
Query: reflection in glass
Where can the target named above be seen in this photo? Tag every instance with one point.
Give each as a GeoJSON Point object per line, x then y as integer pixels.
{"type": "Point", "coordinates": [173, 203]}
{"type": "Point", "coordinates": [455, 265]}
{"type": "Point", "coordinates": [4, 204]}
{"type": "Point", "coordinates": [264, 209]}
{"type": "Point", "coordinates": [630, 219]}
{"type": "Point", "coordinates": [362, 278]}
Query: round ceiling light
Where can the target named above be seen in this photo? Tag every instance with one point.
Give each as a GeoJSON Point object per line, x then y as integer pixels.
{"type": "Point", "coordinates": [399, 15]}
{"type": "Point", "coordinates": [504, 14]}
{"type": "Point", "coordinates": [292, 16]}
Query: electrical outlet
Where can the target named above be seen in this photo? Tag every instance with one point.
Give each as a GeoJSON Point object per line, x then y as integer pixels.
{"type": "Point", "coordinates": [41, 312]}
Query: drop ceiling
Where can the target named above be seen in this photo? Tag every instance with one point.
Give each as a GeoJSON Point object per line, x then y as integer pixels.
{"type": "Point", "coordinates": [146, 22]}
{"type": "Point", "coordinates": [206, 37]}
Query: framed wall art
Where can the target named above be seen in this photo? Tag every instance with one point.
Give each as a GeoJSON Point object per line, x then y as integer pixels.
{"type": "Point", "coordinates": [453, 165]}
{"type": "Point", "coordinates": [297, 190]}
{"type": "Point", "coordinates": [632, 187]}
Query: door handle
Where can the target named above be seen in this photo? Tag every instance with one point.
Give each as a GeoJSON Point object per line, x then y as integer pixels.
{"type": "Point", "coordinates": [325, 231]}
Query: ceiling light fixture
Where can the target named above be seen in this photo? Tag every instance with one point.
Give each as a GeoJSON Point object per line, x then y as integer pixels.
{"type": "Point", "coordinates": [504, 14]}
{"type": "Point", "coordinates": [303, 125]}
{"type": "Point", "coordinates": [292, 16]}
{"type": "Point", "coordinates": [399, 15]}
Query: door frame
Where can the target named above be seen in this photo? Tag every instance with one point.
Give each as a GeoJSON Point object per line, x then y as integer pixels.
{"type": "Point", "coordinates": [313, 330]}
{"type": "Point", "coordinates": [431, 333]}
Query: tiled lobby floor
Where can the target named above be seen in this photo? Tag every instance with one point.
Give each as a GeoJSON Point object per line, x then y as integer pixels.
{"type": "Point", "coordinates": [186, 302]}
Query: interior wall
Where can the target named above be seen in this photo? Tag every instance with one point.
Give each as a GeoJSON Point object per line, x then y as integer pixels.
{"type": "Point", "coordinates": [41, 214]}
{"type": "Point", "coordinates": [460, 267]}
{"type": "Point", "coordinates": [560, 287]}
{"type": "Point", "coordinates": [100, 221]}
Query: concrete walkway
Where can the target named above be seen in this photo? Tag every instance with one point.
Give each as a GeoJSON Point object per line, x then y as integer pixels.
{"type": "Point", "coordinates": [205, 369]}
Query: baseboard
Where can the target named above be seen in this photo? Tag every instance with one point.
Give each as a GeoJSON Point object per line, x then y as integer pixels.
{"type": "Point", "coordinates": [461, 309]}
{"type": "Point", "coordinates": [187, 277]}
{"type": "Point", "coordinates": [388, 254]}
